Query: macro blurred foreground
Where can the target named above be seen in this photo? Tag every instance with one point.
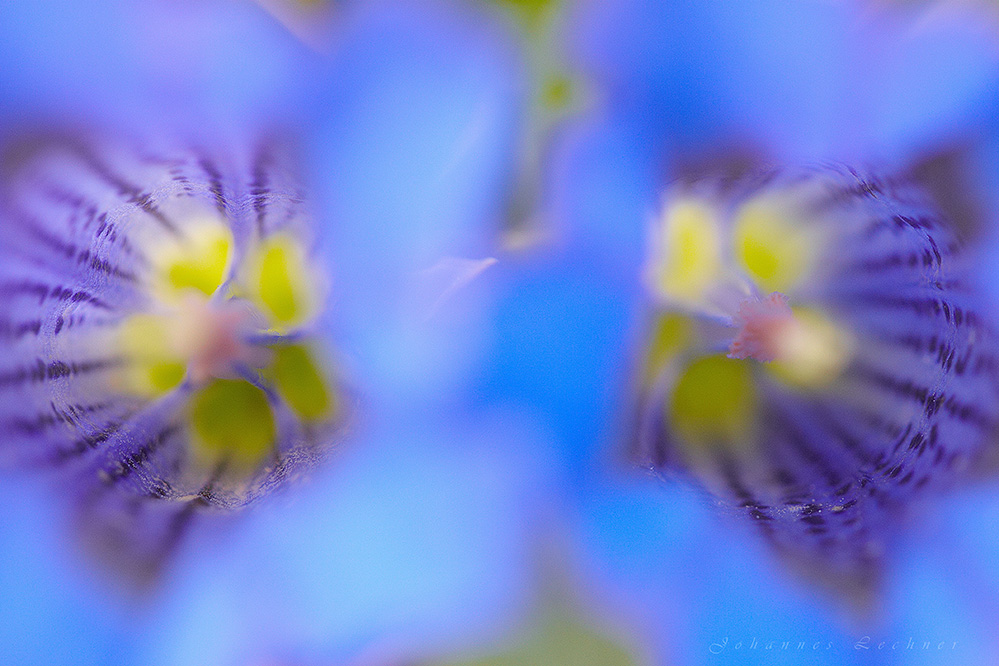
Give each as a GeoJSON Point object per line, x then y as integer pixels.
{"type": "Point", "coordinates": [433, 332]}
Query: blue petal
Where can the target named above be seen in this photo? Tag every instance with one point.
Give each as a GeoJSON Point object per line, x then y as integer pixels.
{"type": "Point", "coordinates": [138, 64]}
{"type": "Point", "coordinates": [411, 541]}
{"type": "Point", "coordinates": [797, 80]}
{"type": "Point", "coordinates": [410, 163]}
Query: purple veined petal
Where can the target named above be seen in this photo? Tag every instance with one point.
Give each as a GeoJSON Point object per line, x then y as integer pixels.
{"type": "Point", "coordinates": [903, 395]}
{"type": "Point", "coordinates": [86, 224]}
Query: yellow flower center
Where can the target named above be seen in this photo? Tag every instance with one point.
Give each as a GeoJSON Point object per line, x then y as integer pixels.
{"type": "Point", "coordinates": [205, 328]}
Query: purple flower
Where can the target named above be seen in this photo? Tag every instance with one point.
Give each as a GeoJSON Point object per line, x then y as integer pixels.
{"type": "Point", "coordinates": [421, 530]}
{"type": "Point", "coordinates": [817, 357]}
{"type": "Point", "coordinates": [159, 306]}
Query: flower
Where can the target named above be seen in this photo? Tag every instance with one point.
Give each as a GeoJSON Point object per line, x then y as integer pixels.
{"type": "Point", "coordinates": [400, 179]}
{"type": "Point", "coordinates": [817, 358]}
{"type": "Point", "coordinates": [699, 93]}
{"type": "Point", "coordinates": [488, 393]}
{"type": "Point", "coordinates": [161, 344]}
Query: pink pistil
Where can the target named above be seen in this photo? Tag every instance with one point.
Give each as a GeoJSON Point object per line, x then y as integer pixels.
{"type": "Point", "coordinates": [762, 324]}
{"type": "Point", "coordinates": [213, 337]}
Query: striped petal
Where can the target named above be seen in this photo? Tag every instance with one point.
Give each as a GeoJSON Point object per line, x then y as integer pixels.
{"type": "Point", "coordinates": [830, 368]}
{"type": "Point", "coordinates": [157, 320]}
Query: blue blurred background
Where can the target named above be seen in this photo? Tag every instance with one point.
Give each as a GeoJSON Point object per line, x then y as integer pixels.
{"type": "Point", "coordinates": [483, 511]}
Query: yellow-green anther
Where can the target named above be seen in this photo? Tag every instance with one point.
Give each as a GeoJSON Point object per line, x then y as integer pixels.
{"type": "Point", "coordinates": [231, 421]}
{"type": "Point", "coordinates": [714, 401]}
{"type": "Point", "coordinates": [688, 258]}
{"type": "Point", "coordinates": [300, 382]}
{"type": "Point", "coordinates": [279, 282]}
{"type": "Point", "coordinates": [199, 261]}
{"type": "Point", "coordinates": [773, 246]}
